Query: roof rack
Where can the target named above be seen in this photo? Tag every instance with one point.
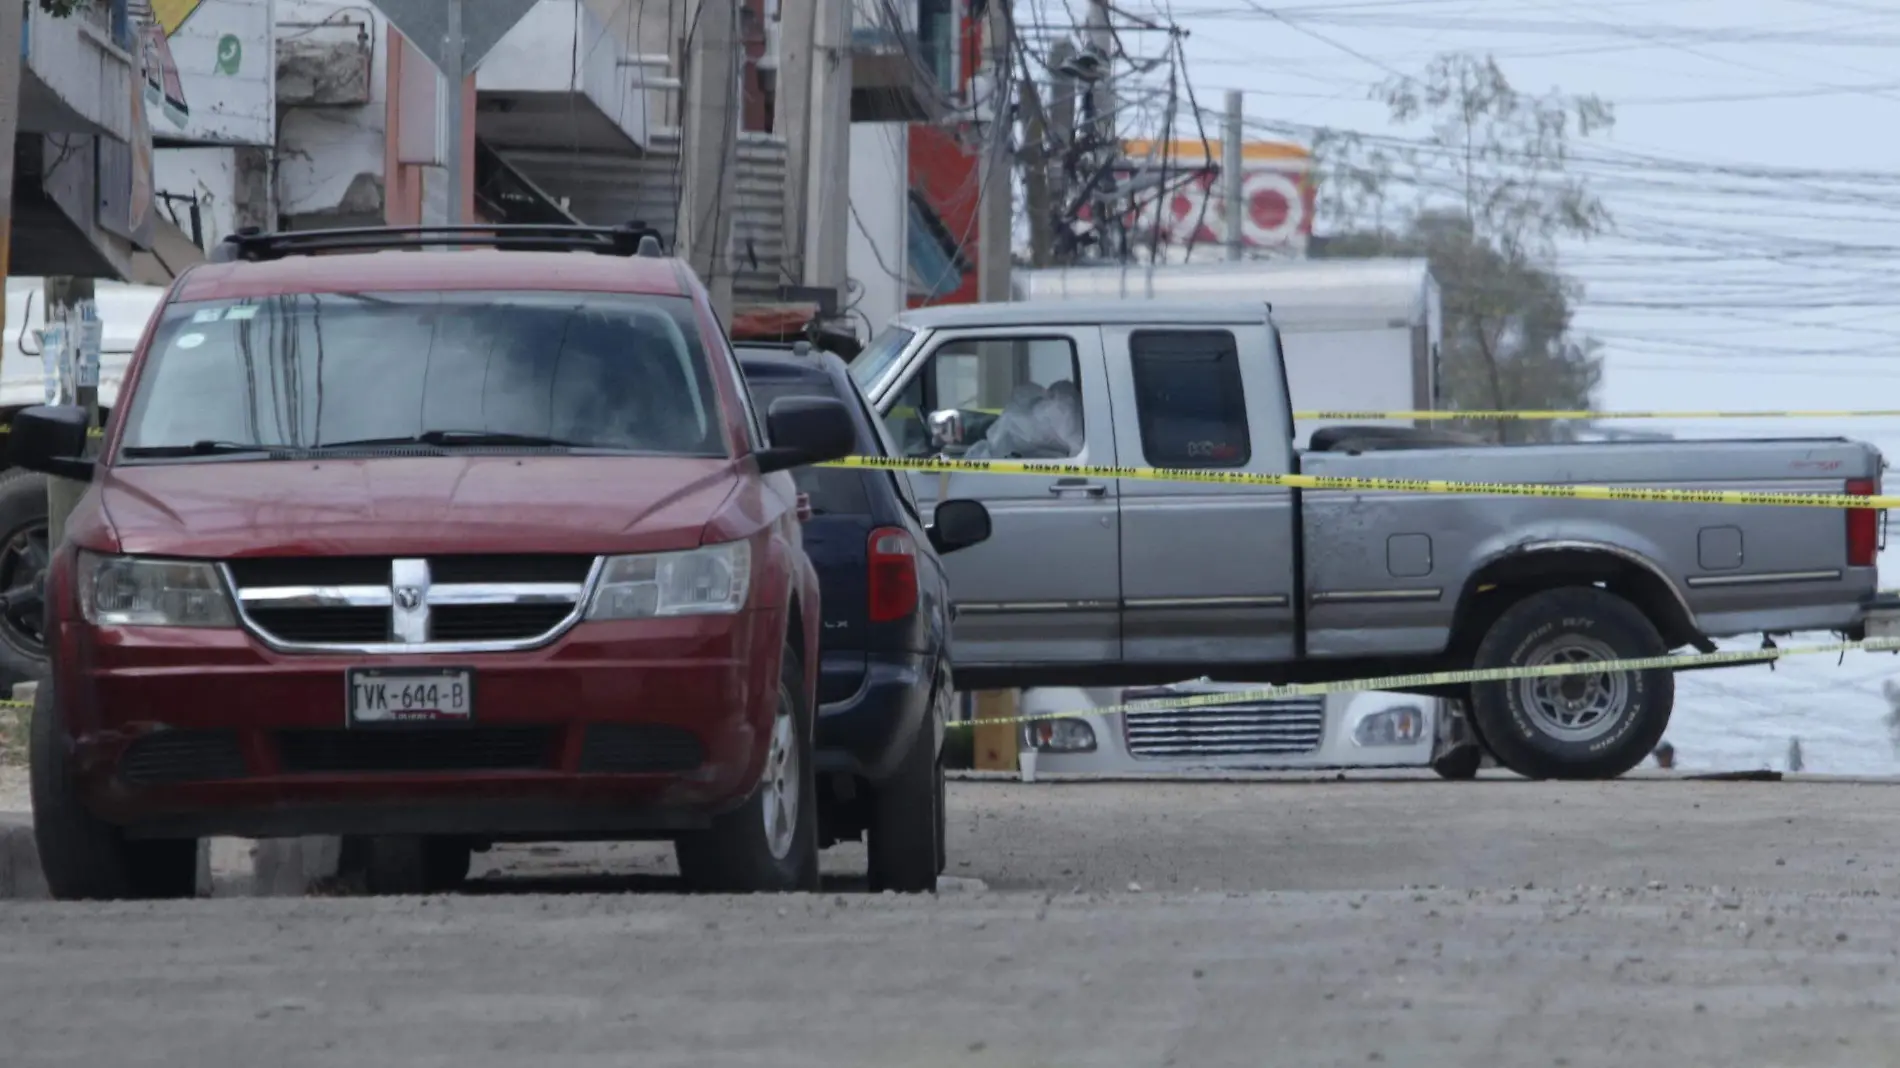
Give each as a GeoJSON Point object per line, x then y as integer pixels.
{"type": "Point", "coordinates": [253, 245]}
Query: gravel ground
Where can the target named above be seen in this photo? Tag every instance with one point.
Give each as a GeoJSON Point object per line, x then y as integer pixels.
{"type": "Point", "coordinates": [1499, 922]}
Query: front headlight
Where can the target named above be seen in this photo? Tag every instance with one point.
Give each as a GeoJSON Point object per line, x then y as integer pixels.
{"type": "Point", "coordinates": [1059, 736]}
{"type": "Point", "coordinates": [1398, 725]}
{"type": "Point", "coordinates": [711, 580]}
{"type": "Point", "coordinates": [126, 591]}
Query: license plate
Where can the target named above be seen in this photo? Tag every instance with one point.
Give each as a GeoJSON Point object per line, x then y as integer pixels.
{"type": "Point", "coordinates": [439, 696]}
{"type": "Point", "coordinates": [1883, 625]}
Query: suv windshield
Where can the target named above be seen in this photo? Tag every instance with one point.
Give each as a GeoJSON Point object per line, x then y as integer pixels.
{"type": "Point", "coordinates": [490, 369]}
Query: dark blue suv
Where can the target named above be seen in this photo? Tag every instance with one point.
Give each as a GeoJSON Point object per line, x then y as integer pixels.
{"type": "Point", "coordinates": [884, 686]}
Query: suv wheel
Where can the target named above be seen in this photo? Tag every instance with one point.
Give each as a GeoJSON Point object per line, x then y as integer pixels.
{"type": "Point", "coordinates": [907, 822]}
{"type": "Point", "coordinates": [24, 555]}
{"type": "Point", "coordinates": [82, 856]}
{"type": "Point", "coordinates": [769, 844]}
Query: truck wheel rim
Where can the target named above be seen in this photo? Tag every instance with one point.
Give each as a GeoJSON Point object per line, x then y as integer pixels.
{"type": "Point", "coordinates": [1575, 708]}
{"type": "Point", "coordinates": [779, 793]}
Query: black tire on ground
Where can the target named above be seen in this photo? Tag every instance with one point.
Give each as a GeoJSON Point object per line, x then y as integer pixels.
{"type": "Point", "coordinates": [24, 554]}
{"type": "Point", "coordinates": [1459, 764]}
{"type": "Point", "coordinates": [408, 864]}
{"type": "Point", "coordinates": [1577, 726]}
{"type": "Point", "coordinates": [760, 847]}
{"type": "Point", "coordinates": [906, 833]}
{"type": "Point", "coordinates": [83, 857]}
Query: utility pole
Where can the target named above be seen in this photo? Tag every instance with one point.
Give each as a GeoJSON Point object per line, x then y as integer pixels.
{"type": "Point", "coordinates": [1037, 196]}
{"type": "Point", "coordinates": [995, 742]}
{"type": "Point", "coordinates": [69, 302]}
{"type": "Point", "coordinates": [454, 83]}
{"type": "Point", "coordinates": [12, 32]}
{"type": "Point", "coordinates": [792, 120]}
{"type": "Point", "coordinates": [995, 215]}
{"type": "Point", "coordinates": [814, 115]}
{"type": "Point", "coordinates": [1234, 210]}
{"type": "Point", "coordinates": [1099, 33]}
{"type": "Point", "coordinates": [709, 148]}
{"type": "Point", "coordinates": [1059, 119]}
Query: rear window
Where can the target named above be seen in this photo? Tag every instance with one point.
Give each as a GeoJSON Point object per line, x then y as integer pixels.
{"type": "Point", "coordinates": [588, 370]}
{"type": "Point", "coordinates": [1188, 398]}
{"type": "Point", "coordinates": [833, 490]}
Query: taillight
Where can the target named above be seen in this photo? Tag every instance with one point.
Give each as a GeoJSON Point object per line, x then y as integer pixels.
{"type": "Point", "coordinates": [893, 574]}
{"type": "Point", "coordinates": [1863, 525]}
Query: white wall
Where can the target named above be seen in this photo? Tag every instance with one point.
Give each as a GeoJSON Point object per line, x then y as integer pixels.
{"type": "Point", "coordinates": [226, 57]}
{"type": "Point", "coordinates": [875, 253]}
{"type": "Point", "coordinates": [321, 151]}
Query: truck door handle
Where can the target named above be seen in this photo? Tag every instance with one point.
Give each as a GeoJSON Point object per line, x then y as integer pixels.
{"type": "Point", "coordinates": [1076, 485]}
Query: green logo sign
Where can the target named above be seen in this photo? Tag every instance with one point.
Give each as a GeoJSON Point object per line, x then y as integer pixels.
{"type": "Point", "coordinates": [230, 54]}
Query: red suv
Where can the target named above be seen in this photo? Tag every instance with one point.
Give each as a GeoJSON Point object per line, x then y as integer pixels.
{"type": "Point", "coordinates": [431, 549]}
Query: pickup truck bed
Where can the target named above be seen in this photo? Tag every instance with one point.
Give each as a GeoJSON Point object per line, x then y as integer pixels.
{"type": "Point", "coordinates": [1107, 582]}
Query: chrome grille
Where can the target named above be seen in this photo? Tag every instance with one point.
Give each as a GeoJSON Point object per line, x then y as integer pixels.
{"type": "Point", "coordinates": [410, 604]}
{"type": "Point", "coordinates": [1278, 728]}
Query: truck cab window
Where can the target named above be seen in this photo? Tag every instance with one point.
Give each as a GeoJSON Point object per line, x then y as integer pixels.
{"type": "Point", "coordinates": [1018, 398]}
{"type": "Point", "coordinates": [1188, 398]}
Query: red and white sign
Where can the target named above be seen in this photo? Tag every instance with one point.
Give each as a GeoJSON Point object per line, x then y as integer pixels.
{"type": "Point", "coordinates": [1276, 186]}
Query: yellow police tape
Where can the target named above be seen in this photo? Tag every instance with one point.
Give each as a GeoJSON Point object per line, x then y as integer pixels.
{"type": "Point", "coordinates": [1532, 415]}
{"type": "Point", "coordinates": [1446, 678]}
{"type": "Point", "coordinates": [1375, 485]}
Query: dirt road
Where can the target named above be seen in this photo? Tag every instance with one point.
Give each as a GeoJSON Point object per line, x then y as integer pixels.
{"type": "Point", "coordinates": [1591, 924]}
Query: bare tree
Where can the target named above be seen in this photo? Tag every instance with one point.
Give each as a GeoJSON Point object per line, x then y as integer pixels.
{"type": "Point", "coordinates": [1485, 192]}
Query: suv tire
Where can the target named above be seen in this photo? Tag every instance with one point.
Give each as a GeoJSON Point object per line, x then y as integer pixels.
{"type": "Point", "coordinates": [83, 857]}
{"type": "Point", "coordinates": [769, 844]}
{"type": "Point", "coordinates": [907, 823]}
{"type": "Point", "coordinates": [24, 555]}
{"type": "Point", "coordinates": [1576, 726]}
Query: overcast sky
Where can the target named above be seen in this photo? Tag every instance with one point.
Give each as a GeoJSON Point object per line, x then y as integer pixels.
{"type": "Point", "coordinates": [1752, 174]}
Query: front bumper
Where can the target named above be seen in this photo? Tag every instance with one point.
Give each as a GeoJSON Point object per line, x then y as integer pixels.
{"type": "Point", "coordinates": [1335, 748]}
{"type": "Point", "coordinates": [615, 729]}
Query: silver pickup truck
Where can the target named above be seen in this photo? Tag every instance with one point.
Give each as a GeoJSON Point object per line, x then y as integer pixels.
{"type": "Point", "coordinates": [1115, 582]}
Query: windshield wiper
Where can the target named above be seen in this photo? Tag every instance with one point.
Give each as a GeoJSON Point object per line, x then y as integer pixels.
{"type": "Point", "coordinates": [197, 448]}
{"type": "Point", "coordinates": [454, 437]}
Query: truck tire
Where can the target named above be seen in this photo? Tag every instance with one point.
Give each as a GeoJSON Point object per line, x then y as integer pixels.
{"type": "Point", "coordinates": [24, 554]}
{"type": "Point", "coordinates": [769, 844]}
{"type": "Point", "coordinates": [1575, 726]}
{"type": "Point", "coordinates": [906, 833]}
{"type": "Point", "coordinates": [82, 857]}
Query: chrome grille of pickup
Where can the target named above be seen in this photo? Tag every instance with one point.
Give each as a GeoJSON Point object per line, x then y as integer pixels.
{"type": "Point", "coordinates": [1278, 728]}
{"type": "Point", "coordinates": [410, 604]}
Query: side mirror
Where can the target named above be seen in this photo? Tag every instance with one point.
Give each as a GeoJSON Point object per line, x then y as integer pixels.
{"type": "Point", "coordinates": [807, 430]}
{"type": "Point", "coordinates": [958, 525]}
{"type": "Point", "coordinates": [51, 439]}
{"type": "Point", "coordinates": [946, 428]}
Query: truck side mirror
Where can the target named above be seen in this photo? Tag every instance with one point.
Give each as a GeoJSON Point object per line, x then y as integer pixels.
{"type": "Point", "coordinates": [51, 439]}
{"type": "Point", "coordinates": [946, 428]}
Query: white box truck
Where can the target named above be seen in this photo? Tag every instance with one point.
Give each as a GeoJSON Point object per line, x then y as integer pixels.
{"type": "Point", "coordinates": [1359, 335]}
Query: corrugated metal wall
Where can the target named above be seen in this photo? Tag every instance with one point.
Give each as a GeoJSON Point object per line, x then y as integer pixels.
{"type": "Point", "coordinates": [604, 189]}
